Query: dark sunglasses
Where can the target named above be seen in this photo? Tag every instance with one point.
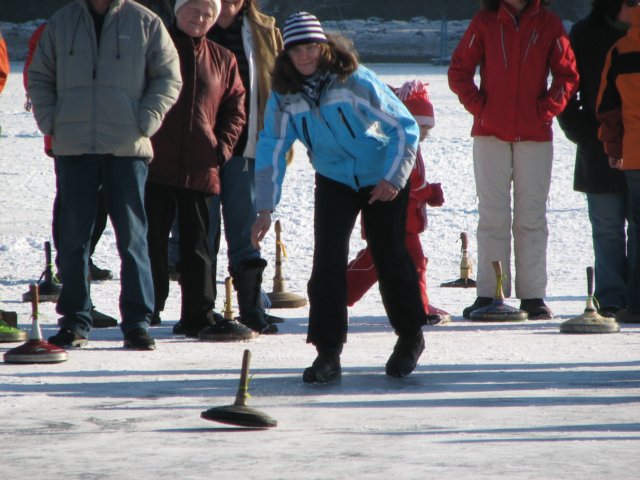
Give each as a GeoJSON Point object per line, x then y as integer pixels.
{"type": "Point", "coordinates": [632, 3]}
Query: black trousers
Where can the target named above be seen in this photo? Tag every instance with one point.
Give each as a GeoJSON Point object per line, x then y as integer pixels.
{"type": "Point", "coordinates": [162, 204]}
{"type": "Point", "coordinates": [336, 209]}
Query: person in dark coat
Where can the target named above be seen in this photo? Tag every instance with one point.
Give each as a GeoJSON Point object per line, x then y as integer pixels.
{"type": "Point", "coordinates": [197, 137]}
{"type": "Point", "coordinates": [605, 187]}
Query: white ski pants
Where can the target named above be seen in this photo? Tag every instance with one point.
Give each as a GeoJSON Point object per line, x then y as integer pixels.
{"type": "Point", "coordinates": [527, 165]}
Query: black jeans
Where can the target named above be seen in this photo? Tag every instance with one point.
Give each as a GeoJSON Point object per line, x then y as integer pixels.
{"type": "Point", "coordinates": [162, 204]}
{"type": "Point", "coordinates": [336, 209]}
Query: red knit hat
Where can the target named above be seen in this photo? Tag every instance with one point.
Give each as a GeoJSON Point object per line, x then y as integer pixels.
{"type": "Point", "coordinates": [415, 96]}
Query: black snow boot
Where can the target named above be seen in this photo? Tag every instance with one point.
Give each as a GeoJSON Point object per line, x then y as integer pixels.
{"type": "Point", "coordinates": [248, 282]}
{"type": "Point", "coordinates": [406, 353]}
{"type": "Point", "coordinates": [325, 367]}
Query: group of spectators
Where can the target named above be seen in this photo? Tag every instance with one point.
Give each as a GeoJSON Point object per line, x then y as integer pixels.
{"type": "Point", "coordinates": [189, 116]}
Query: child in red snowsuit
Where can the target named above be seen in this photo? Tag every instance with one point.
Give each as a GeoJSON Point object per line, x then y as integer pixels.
{"type": "Point", "coordinates": [361, 273]}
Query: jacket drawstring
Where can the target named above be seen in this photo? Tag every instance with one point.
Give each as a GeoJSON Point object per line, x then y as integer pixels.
{"type": "Point", "coordinates": [504, 47]}
{"type": "Point", "coordinates": [118, 37]}
{"type": "Point", "coordinates": [75, 31]}
{"type": "Point", "coordinates": [532, 41]}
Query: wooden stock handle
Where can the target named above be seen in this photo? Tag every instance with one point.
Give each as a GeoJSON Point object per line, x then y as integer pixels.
{"type": "Point", "coordinates": [241, 396]}
{"type": "Point", "coordinates": [497, 267]}
{"type": "Point", "coordinates": [590, 281]}
{"type": "Point", "coordinates": [464, 240]}
{"type": "Point", "coordinates": [33, 288]}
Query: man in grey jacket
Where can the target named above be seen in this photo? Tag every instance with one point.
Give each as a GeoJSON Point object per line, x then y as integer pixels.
{"type": "Point", "coordinates": [103, 76]}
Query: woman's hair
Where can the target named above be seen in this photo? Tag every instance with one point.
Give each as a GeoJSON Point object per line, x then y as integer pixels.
{"type": "Point", "coordinates": [606, 8]}
{"type": "Point", "coordinates": [336, 56]}
{"type": "Point", "coordinates": [495, 4]}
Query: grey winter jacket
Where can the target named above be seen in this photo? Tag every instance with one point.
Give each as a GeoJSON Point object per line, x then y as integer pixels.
{"type": "Point", "coordinates": [107, 97]}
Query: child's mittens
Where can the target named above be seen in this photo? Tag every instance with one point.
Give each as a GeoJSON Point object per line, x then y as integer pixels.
{"type": "Point", "coordinates": [435, 196]}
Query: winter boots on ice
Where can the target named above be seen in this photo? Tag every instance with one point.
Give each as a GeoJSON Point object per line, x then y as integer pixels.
{"type": "Point", "coordinates": [325, 367]}
{"type": "Point", "coordinates": [247, 281]}
{"type": "Point", "coordinates": [406, 353]}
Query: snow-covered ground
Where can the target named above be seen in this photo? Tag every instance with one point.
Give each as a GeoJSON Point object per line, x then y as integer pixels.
{"type": "Point", "coordinates": [512, 401]}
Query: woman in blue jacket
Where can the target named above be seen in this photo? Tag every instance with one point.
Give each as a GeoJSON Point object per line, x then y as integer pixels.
{"type": "Point", "coordinates": [362, 142]}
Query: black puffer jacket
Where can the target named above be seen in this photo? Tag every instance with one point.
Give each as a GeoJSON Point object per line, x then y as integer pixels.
{"type": "Point", "coordinates": [591, 39]}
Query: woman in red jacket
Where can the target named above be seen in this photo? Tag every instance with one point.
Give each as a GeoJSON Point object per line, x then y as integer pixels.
{"type": "Point", "coordinates": [361, 273]}
{"type": "Point", "coordinates": [196, 138]}
{"type": "Point", "coordinates": [516, 43]}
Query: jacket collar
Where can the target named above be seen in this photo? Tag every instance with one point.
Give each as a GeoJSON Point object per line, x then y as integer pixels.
{"type": "Point", "coordinates": [182, 40]}
{"type": "Point", "coordinates": [113, 8]}
{"type": "Point", "coordinates": [508, 14]}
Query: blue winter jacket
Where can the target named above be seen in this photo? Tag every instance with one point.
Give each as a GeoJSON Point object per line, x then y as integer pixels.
{"type": "Point", "coordinates": [358, 134]}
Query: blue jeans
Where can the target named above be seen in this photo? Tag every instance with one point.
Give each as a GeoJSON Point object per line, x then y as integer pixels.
{"type": "Point", "coordinates": [613, 248]}
{"type": "Point", "coordinates": [633, 185]}
{"type": "Point", "coordinates": [237, 196]}
{"type": "Point", "coordinates": [122, 179]}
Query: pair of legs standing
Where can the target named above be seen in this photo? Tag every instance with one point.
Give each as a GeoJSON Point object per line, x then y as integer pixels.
{"type": "Point", "coordinates": [632, 313]}
{"type": "Point", "coordinates": [614, 248]}
{"type": "Point", "coordinates": [164, 203]}
{"type": "Point", "coordinates": [527, 166]}
{"type": "Point", "coordinates": [80, 180]}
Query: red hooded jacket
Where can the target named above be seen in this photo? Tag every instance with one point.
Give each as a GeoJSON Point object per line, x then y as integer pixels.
{"type": "Point", "coordinates": [516, 55]}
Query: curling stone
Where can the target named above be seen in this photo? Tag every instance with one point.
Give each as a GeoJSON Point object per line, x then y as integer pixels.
{"type": "Point", "coordinates": [279, 297]}
{"type": "Point", "coordinates": [35, 350]}
{"type": "Point", "coordinates": [465, 269]}
{"type": "Point", "coordinates": [10, 333]}
{"type": "Point", "coordinates": [590, 321]}
{"type": "Point", "coordinates": [498, 310]}
{"type": "Point", "coordinates": [229, 330]}
{"type": "Point", "coordinates": [48, 289]}
{"type": "Point", "coordinates": [239, 413]}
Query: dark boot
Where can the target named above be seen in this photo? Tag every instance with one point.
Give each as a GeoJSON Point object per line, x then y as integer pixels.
{"type": "Point", "coordinates": [248, 282]}
{"type": "Point", "coordinates": [536, 309]}
{"type": "Point", "coordinates": [406, 353]}
{"type": "Point", "coordinates": [325, 367]}
{"type": "Point", "coordinates": [480, 302]}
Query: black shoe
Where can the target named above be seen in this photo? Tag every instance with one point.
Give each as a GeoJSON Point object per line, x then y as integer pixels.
{"type": "Point", "coordinates": [479, 303]}
{"type": "Point", "coordinates": [325, 367]}
{"type": "Point", "coordinates": [625, 316]}
{"type": "Point", "coordinates": [102, 320]}
{"type": "Point", "coordinates": [258, 323]}
{"type": "Point", "coordinates": [273, 319]}
{"type": "Point", "coordinates": [98, 274]}
{"type": "Point", "coordinates": [536, 309]}
{"type": "Point", "coordinates": [177, 328]}
{"type": "Point", "coordinates": [65, 338]}
{"type": "Point", "coordinates": [406, 353]}
{"type": "Point", "coordinates": [155, 319]}
{"type": "Point", "coordinates": [139, 339]}
{"type": "Point", "coordinates": [608, 312]}
{"type": "Point", "coordinates": [226, 331]}
{"type": "Point", "coordinates": [193, 331]}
